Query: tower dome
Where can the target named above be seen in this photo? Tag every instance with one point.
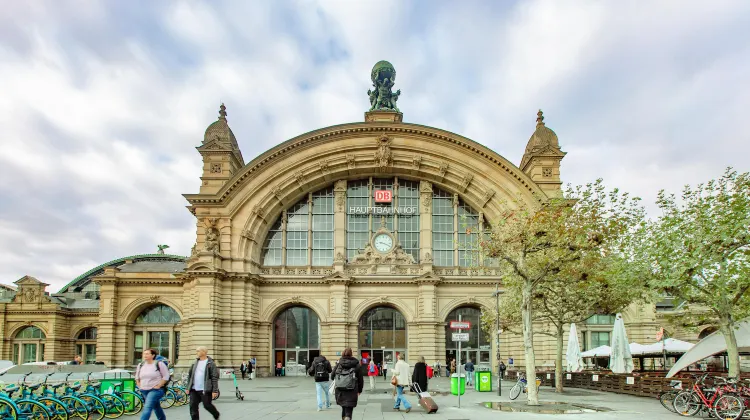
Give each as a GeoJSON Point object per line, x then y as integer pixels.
{"type": "Point", "coordinates": [544, 140]}
{"type": "Point", "coordinates": [219, 130]}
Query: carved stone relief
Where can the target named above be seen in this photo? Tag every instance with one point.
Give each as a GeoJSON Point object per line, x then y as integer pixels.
{"type": "Point", "coordinates": [416, 161]}
{"type": "Point", "coordinates": [466, 181]}
{"type": "Point", "coordinates": [350, 161]}
{"type": "Point", "coordinates": [443, 168]}
{"type": "Point", "coordinates": [487, 197]}
{"type": "Point", "coordinates": [212, 235]}
{"type": "Point", "coordinates": [383, 157]}
{"type": "Point", "coordinates": [216, 168]}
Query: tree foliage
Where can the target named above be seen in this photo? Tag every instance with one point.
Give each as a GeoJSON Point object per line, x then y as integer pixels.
{"type": "Point", "coordinates": [576, 243]}
{"type": "Point", "coordinates": [698, 251]}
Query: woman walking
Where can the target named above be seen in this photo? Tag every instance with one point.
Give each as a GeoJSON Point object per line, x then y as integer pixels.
{"type": "Point", "coordinates": [150, 377]}
{"type": "Point", "coordinates": [401, 373]}
{"type": "Point", "coordinates": [419, 376]}
{"type": "Point", "coordinates": [345, 396]}
{"type": "Point", "coordinates": [372, 373]}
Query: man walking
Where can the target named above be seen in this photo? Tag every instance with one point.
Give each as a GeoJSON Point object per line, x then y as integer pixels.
{"type": "Point", "coordinates": [469, 368]}
{"type": "Point", "coordinates": [243, 369]}
{"type": "Point", "coordinates": [203, 383]}
{"type": "Point", "coordinates": [321, 370]}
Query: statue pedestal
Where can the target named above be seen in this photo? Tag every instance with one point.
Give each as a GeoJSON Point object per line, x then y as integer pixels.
{"type": "Point", "coordinates": [384, 116]}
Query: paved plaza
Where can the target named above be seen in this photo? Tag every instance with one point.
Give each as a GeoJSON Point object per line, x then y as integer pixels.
{"type": "Point", "coordinates": [292, 398]}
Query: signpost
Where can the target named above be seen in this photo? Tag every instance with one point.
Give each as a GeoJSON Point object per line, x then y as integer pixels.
{"type": "Point", "coordinates": [459, 337]}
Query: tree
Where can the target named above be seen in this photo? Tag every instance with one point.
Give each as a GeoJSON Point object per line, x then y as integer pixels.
{"type": "Point", "coordinates": [566, 239]}
{"type": "Point", "coordinates": [699, 252]}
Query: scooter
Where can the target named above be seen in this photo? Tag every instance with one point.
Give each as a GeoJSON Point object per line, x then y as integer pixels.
{"type": "Point", "coordinates": [237, 392]}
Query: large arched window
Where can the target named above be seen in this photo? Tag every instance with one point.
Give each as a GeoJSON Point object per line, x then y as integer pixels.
{"type": "Point", "coordinates": [478, 347]}
{"type": "Point", "coordinates": [382, 334]}
{"type": "Point", "coordinates": [86, 345]}
{"type": "Point", "coordinates": [455, 231]}
{"type": "Point", "coordinates": [28, 345]}
{"type": "Point", "coordinates": [157, 328]}
{"type": "Point", "coordinates": [296, 338]}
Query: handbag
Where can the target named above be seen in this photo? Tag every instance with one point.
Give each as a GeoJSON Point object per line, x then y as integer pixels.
{"type": "Point", "coordinates": [332, 388]}
{"type": "Point", "coordinates": [394, 381]}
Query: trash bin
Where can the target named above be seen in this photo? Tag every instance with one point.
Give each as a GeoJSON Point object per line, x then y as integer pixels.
{"type": "Point", "coordinates": [483, 381]}
{"type": "Point", "coordinates": [283, 371]}
{"type": "Point", "coordinates": [458, 382]}
{"type": "Point", "coordinates": [107, 386]}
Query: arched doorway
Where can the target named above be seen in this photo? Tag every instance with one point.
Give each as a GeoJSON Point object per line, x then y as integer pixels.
{"type": "Point", "coordinates": [477, 349]}
{"type": "Point", "coordinates": [157, 328]}
{"type": "Point", "coordinates": [382, 335]}
{"type": "Point", "coordinates": [296, 339]}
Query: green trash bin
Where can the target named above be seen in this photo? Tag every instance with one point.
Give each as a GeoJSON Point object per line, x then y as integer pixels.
{"type": "Point", "coordinates": [483, 381]}
{"type": "Point", "coordinates": [107, 386]}
{"type": "Point", "coordinates": [458, 382]}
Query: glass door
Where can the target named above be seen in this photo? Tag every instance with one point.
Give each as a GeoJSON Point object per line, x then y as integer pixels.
{"type": "Point", "coordinates": [29, 353]}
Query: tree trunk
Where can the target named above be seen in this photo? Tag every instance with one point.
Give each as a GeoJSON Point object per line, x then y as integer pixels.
{"type": "Point", "coordinates": [733, 355]}
{"type": "Point", "coordinates": [528, 344]}
{"type": "Point", "coordinates": [559, 360]}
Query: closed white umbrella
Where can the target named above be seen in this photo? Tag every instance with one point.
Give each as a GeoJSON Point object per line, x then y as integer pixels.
{"type": "Point", "coordinates": [573, 357]}
{"type": "Point", "coordinates": [620, 361]}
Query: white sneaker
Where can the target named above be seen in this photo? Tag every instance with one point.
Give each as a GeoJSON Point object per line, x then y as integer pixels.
{"type": "Point", "coordinates": [320, 409]}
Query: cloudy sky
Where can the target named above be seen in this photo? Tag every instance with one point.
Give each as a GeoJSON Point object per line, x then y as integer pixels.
{"type": "Point", "coordinates": [102, 103]}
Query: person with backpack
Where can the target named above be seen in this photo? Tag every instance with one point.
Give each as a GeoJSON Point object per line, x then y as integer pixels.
{"type": "Point", "coordinates": [349, 383]}
{"type": "Point", "coordinates": [372, 373]}
{"type": "Point", "coordinates": [321, 369]}
{"type": "Point", "coordinates": [151, 377]}
{"type": "Point", "coordinates": [469, 369]}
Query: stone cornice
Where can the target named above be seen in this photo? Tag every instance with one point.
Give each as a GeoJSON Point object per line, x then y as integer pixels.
{"type": "Point", "coordinates": [357, 129]}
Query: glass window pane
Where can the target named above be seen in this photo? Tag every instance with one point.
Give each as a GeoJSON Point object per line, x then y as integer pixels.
{"type": "Point", "coordinates": [29, 353]}
{"type": "Point", "coordinates": [442, 228]}
{"type": "Point", "coordinates": [272, 245]}
{"type": "Point", "coordinates": [31, 332]}
{"type": "Point", "coordinates": [159, 341]}
{"type": "Point", "coordinates": [477, 336]}
{"type": "Point", "coordinates": [159, 314]}
{"type": "Point", "coordinates": [382, 327]}
{"type": "Point", "coordinates": [297, 326]}
{"type": "Point", "coordinates": [408, 225]}
{"type": "Point", "coordinates": [90, 354]}
{"type": "Point", "coordinates": [357, 225]}
{"type": "Point", "coordinates": [137, 347]}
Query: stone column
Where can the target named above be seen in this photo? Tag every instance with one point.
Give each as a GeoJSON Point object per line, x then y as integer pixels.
{"type": "Point", "coordinates": [339, 223]}
{"type": "Point", "coordinates": [425, 226]}
{"type": "Point", "coordinates": [427, 326]}
{"type": "Point", "coordinates": [106, 333]}
{"type": "Point", "coordinates": [339, 335]}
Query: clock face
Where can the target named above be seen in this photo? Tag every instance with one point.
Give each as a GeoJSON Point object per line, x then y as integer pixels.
{"type": "Point", "coordinates": [383, 243]}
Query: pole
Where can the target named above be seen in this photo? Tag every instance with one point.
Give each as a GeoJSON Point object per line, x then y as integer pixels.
{"type": "Point", "coordinates": [458, 366]}
{"type": "Point", "coordinates": [497, 341]}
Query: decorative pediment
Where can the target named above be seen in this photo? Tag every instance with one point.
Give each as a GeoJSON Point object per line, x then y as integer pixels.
{"type": "Point", "coordinates": [428, 278]}
{"type": "Point", "coordinates": [215, 144]}
{"type": "Point", "coordinates": [28, 280]}
{"type": "Point", "coordinates": [337, 277]}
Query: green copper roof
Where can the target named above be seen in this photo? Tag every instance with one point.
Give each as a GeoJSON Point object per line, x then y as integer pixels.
{"type": "Point", "coordinates": [118, 261]}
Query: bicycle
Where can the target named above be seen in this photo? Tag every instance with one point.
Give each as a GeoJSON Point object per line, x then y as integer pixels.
{"type": "Point", "coordinates": [521, 386]}
{"type": "Point", "coordinates": [719, 400]}
{"type": "Point", "coordinates": [20, 408]}
{"type": "Point", "coordinates": [666, 398]}
{"type": "Point", "coordinates": [75, 406]}
{"type": "Point", "coordinates": [94, 404]}
{"type": "Point", "coordinates": [56, 408]}
{"type": "Point", "coordinates": [114, 406]}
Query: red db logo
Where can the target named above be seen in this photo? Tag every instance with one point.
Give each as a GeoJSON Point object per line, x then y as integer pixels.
{"type": "Point", "coordinates": [383, 196]}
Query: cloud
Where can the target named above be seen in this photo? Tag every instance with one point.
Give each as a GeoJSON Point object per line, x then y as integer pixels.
{"type": "Point", "coordinates": [103, 103]}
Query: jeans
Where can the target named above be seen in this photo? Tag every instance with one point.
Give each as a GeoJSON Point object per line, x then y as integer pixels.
{"type": "Point", "coordinates": [469, 378]}
{"type": "Point", "coordinates": [322, 388]}
{"type": "Point", "coordinates": [400, 397]}
{"type": "Point", "coordinates": [372, 383]}
{"type": "Point", "coordinates": [197, 397]}
{"type": "Point", "coordinates": [151, 399]}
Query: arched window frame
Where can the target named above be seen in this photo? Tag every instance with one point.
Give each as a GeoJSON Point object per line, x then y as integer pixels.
{"type": "Point", "coordinates": [161, 335]}
{"type": "Point", "coordinates": [85, 344]}
{"type": "Point", "coordinates": [29, 345]}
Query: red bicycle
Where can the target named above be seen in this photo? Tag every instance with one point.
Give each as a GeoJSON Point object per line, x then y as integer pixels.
{"type": "Point", "coordinates": [721, 399]}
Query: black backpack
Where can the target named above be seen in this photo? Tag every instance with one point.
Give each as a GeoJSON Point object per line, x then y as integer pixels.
{"type": "Point", "coordinates": [320, 370]}
{"type": "Point", "coordinates": [346, 379]}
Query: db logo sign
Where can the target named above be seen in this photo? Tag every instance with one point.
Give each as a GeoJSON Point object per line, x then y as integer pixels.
{"type": "Point", "coordinates": [383, 196]}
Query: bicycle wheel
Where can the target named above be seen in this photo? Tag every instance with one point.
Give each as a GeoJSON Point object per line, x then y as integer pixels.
{"type": "Point", "coordinates": [667, 400]}
{"type": "Point", "coordinates": [729, 407]}
{"type": "Point", "coordinates": [515, 391]}
{"type": "Point", "coordinates": [76, 407]}
{"type": "Point", "coordinates": [32, 410]}
{"type": "Point", "coordinates": [167, 400]}
{"type": "Point", "coordinates": [94, 405]}
{"type": "Point", "coordinates": [55, 407]}
{"type": "Point", "coordinates": [133, 402]}
{"type": "Point", "coordinates": [113, 406]}
{"type": "Point", "coordinates": [687, 404]}
{"type": "Point", "coordinates": [180, 396]}
{"type": "Point", "coordinates": [7, 410]}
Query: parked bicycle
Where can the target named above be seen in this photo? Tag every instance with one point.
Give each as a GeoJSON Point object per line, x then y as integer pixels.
{"type": "Point", "coordinates": [720, 400]}
{"type": "Point", "coordinates": [521, 386]}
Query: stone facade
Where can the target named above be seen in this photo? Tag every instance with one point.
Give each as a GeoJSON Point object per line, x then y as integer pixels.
{"type": "Point", "coordinates": [223, 296]}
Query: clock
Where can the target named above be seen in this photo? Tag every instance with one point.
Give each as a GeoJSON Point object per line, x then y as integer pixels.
{"type": "Point", "coordinates": [382, 242]}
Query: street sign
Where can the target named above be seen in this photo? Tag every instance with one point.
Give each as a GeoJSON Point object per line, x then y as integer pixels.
{"type": "Point", "coordinates": [460, 325]}
{"type": "Point", "coordinates": [461, 337]}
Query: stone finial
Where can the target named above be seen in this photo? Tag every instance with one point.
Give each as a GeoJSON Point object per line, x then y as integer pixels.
{"type": "Point", "coordinates": [539, 118]}
{"type": "Point", "coordinates": [222, 112]}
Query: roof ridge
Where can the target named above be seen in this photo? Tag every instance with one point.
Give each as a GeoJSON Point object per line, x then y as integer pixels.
{"type": "Point", "coordinates": [119, 260]}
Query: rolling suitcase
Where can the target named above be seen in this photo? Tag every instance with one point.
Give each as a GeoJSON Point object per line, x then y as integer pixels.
{"type": "Point", "coordinates": [425, 400]}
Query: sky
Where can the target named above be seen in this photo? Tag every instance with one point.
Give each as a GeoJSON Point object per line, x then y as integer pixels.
{"type": "Point", "coordinates": [103, 103]}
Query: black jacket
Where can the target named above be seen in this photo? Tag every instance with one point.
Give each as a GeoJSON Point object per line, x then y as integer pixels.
{"type": "Point", "coordinates": [326, 365]}
{"type": "Point", "coordinates": [211, 384]}
{"type": "Point", "coordinates": [348, 398]}
{"type": "Point", "coordinates": [419, 376]}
